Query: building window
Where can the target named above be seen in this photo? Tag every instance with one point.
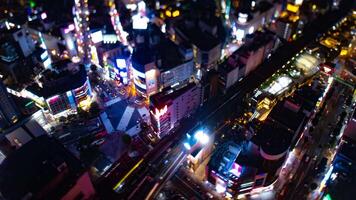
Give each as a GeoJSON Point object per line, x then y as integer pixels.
{"type": "Point", "coordinates": [59, 104]}
{"type": "Point", "coordinates": [259, 182]}
{"type": "Point", "coordinates": [205, 58]}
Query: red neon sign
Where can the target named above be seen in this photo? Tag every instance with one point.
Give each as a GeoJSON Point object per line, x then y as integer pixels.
{"type": "Point", "coordinates": [160, 112]}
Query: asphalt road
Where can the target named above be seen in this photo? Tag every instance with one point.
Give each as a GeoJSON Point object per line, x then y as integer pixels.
{"type": "Point", "coordinates": [317, 149]}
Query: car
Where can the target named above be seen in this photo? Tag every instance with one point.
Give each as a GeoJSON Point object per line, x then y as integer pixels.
{"type": "Point", "coordinates": [322, 165]}
{"type": "Point", "coordinates": [122, 92]}
{"type": "Point", "coordinates": [138, 102]}
{"type": "Point", "coordinates": [307, 158]}
{"type": "Point", "coordinates": [98, 142]}
{"type": "Point", "coordinates": [210, 196]}
{"type": "Point", "coordinates": [101, 134]}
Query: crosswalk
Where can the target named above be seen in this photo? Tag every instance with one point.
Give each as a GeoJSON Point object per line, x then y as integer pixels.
{"type": "Point", "coordinates": [143, 112]}
{"type": "Point", "coordinates": [125, 119]}
{"type": "Point", "coordinates": [121, 116]}
{"type": "Point", "coordinates": [112, 101]}
{"type": "Point", "coordinates": [107, 123]}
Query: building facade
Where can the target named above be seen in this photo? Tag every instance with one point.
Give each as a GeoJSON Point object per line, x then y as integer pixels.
{"type": "Point", "coordinates": [169, 107]}
{"type": "Point", "coordinates": [9, 113]}
{"type": "Point", "coordinates": [246, 59]}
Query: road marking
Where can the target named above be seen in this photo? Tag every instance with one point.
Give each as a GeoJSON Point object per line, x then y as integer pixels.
{"type": "Point", "coordinates": [113, 101]}
{"type": "Point", "coordinates": [143, 111]}
{"type": "Point", "coordinates": [125, 119]}
{"type": "Point", "coordinates": [152, 191]}
{"type": "Point", "coordinates": [133, 131]}
{"type": "Point", "coordinates": [107, 123]}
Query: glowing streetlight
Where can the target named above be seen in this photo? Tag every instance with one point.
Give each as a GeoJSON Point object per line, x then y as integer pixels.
{"type": "Point", "coordinates": [187, 146]}
{"type": "Point", "coordinates": [220, 188]}
{"type": "Point", "coordinates": [201, 137]}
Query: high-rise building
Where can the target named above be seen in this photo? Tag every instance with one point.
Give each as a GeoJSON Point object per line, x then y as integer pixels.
{"type": "Point", "coordinates": [44, 169]}
{"type": "Point", "coordinates": [250, 16]}
{"type": "Point", "coordinates": [247, 58]}
{"type": "Point", "coordinates": [154, 69]}
{"type": "Point", "coordinates": [169, 107]}
{"type": "Point", "coordinates": [81, 22]}
{"type": "Point", "coordinates": [198, 32]}
{"type": "Point", "coordinates": [9, 113]}
{"type": "Point", "coordinates": [63, 90]}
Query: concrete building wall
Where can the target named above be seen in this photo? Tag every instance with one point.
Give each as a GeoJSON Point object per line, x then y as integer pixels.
{"type": "Point", "coordinates": [232, 77]}
{"type": "Point", "coordinates": [177, 74]}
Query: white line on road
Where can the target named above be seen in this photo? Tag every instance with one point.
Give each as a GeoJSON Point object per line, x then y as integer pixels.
{"type": "Point", "coordinates": [108, 126]}
{"type": "Point", "coordinates": [143, 111]}
{"type": "Point", "coordinates": [112, 101]}
{"type": "Point", "coordinates": [125, 119]}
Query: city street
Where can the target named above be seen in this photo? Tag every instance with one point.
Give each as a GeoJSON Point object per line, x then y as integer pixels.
{"type": "Point", "coordinates": [222, 108]}
{"type": "Point", "coordinates": [177, 100]}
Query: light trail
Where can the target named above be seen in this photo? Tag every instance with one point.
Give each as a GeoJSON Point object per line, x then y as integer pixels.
{"type": "Point", "coordinates": [152, 191]}
{"type": "Point", "coordinates": [127, 175]}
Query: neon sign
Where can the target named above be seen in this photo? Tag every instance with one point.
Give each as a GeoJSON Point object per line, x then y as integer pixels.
{"type": "Point", "coordinates": [70, 28]}
{"type": "Point", "coordinates": [160, 112]}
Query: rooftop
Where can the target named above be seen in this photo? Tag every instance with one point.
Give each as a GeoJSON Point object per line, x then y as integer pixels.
{"type": "Point", "coordinates": [308, 95]}
{"type": "Point", "coordinates": [142, 57]}
{"type": "Point", "coordinates": [166, 96]}
{"type": "Point", "coordinates": [307, 63]}
{"type": "Point", "coordinates": [273, 138]}
{"type": "Point", "coordinates": [42, 167]}
{"type": "Point", "coordinates": [198, 38]}
{"type": "Point", "coordinates": [279, 85]}
{"type": "Point", "coordinates": [223, 158]}
{"type": "Point", "coordinates": [288, 115]}
{"type": "Point", "coordinates": [169, 53]}
{"type": "Point", "coordinates": [254, 42]}
{"type": "Point", "coordinates": [348, 150]}
{"type": "Point", "coordinates": [9, 52]}
{"type": "Point", "coordinates": [350, 130]}
{"type": "Point", "coordinates": [58, 82]}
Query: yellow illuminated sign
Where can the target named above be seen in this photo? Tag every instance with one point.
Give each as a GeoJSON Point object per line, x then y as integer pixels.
{"type": "Point", "coordinates": [168, 13]}
{"type": "Point", "coordinates": [176, 13]}
{"type": "Point", "coordinates": [330, 42]}
{"type": "Point", "coordinates": [343, 52]}
{"type": "Point", "coordinates": [292, 8]}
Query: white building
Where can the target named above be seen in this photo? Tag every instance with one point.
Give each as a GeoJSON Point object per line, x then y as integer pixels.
{"type": "Point", "coordinates": [247, 22]}
{"type": "Point", "coordinates": [169, 107]}
{"type": "Point", "coordinates": [165, 65]}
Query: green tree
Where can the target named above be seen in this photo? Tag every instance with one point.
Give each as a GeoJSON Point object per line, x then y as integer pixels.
{"type": "Point", "coordinates": [94, 68]}
{"type": "Point", "coordinates": [94, 109]}
{"type": "Point", "coordinates": [126, 138]}
{"type": "Point", "coordinates": [82, 113]}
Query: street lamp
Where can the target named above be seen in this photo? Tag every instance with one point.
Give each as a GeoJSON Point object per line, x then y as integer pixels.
{"type": "Point", "coordinates": [201, 137]}
{"type": "Point", "coordinates": [187, 145]}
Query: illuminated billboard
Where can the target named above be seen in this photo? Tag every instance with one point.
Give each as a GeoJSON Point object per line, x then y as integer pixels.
{"type": "Point", "coordinates": [122, 72]}
{"type": "Point", "coordinates": [292, 8]}
{"type": "Point", "coordinates": [139, 22]}
{"type": "Point", "coordinates": [279, 85]}
{"type": "Point", "coordinates": [151, 81]}
{"type": "Point", "coordinates": [121, 63]}
{"type": "Point", "coordinates": [97, 36]}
